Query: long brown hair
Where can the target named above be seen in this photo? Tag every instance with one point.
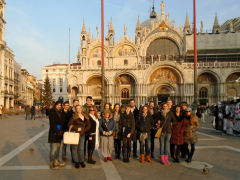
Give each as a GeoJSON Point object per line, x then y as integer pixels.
{"type": "Point", "coordinates": [95, 111]}
{"type": "Point", "coordinates": [141, 110]}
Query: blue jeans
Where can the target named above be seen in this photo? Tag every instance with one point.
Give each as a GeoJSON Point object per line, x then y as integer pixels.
{"type": "Point", "coordinates": [145, 145]}
{"type": "Point", "coordinates": [28, 117]}
{"type": "Point", "coordinates": [78, 150]}
{"type": "Point", "coordinates": [164, 144]}
{"type": "Point", "coordinates": [54, 151]}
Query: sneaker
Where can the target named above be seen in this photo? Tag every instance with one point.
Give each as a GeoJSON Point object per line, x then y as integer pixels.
{"type": "Point", "coordinates": [109, 158]}
{"type": "Point", "coordinates": [105, 159]}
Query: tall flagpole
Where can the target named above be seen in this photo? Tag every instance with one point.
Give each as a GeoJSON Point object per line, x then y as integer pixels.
{"type": "Point", "coordinates": [195, 57]}
{"type": "Point", "coordinates": [103, 68]}
{"type": "Point", "coordinates": [69, 48]}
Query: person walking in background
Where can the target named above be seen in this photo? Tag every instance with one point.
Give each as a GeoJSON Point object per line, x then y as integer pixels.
{"type": "Point", "coordinates": [56, 121]}
{"type": "Point", "coordinates": [166, 119]}
{"type": "Point", "coordinates": [106, 126]}
{"type": "Point", "coordinates": [92, 135]}
{"type": "Point", "coordinates": [190, 137]}
{"type": "Point", "coordinates": [80, 124]}
{"type": "Point", "coordinates": [135, 112]}
{"type": "Point", "coordinates": [1, 111]}
{"type": "Point", "coordinates": [126, 129]}
{"type": "Point", "coordinates": [144, 125]}
{"type": "Point", "coordinates": [33, 112]}
{"type": "Point", "coordinates": [117, 140]}
{"type": "Point", "coordinates": [177, 138]}
{"type": "Point", "coordinates": [27, 112]}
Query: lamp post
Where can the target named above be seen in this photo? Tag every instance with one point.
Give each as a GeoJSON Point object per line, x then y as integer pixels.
{"type": "Point", "coordinates": [103, 68]}
{"type": "Point", "coordinates": [195, 57]}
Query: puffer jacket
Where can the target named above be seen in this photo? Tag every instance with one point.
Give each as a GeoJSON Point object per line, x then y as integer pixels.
{"type": "Point", "coordinates": [145, 123]}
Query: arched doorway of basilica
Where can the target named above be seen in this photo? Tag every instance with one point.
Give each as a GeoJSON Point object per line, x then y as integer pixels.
{"type": "Point", "coordinates": [94, 85]}
{"type": "Point", "coordinates": [125, 88]}
{"type": "Point", "coordinates": [233, 85]}
{"type": "Point", "coordinates": [164, 84]}
{"type": "Point", "coordinates": [208, 89]}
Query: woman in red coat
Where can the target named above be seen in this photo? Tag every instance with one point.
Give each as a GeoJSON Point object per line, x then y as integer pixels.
{"type": "Point", "coordinates": [177, 138]}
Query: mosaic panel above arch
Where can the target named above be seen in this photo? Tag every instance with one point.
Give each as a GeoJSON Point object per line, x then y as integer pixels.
{"type": "Point", "coordinates": [96, 53]}
{"type": "Point", "coordinates": [125, 50]}
{"type": "Point", "coordinates": [164, 75]}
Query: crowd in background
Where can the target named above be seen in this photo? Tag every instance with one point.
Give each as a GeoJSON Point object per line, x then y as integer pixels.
{"type": "Point", "coordinates": [121, 130]}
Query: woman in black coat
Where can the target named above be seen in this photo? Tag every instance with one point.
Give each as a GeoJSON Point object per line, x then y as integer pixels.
{"type": "Point", "coordinates": [126, 130]}
{"type": "Point", "coordinates": [144, 125]}
{"type": "Point", "coordinates": [56, 121]}
{"type": "Point", "coordinates": [92, 135]}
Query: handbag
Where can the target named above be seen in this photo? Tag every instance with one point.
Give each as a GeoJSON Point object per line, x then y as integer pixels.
{"type": "Point", "coordinates": [159, 131]}
{"type": "Point", "coordinates": [71, 138]}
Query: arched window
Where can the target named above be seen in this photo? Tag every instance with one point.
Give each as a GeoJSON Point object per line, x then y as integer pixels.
{"type": "Point", "coordinates": [203, 93]}
{"type": "Point", "coordinates": [83, 38]}
{"type": "Point", "coordinates": [99, 63]}
{"type": "Point", "coordinates": [125, 93]}
{"type": "Point", "coordinates": [125, 62]}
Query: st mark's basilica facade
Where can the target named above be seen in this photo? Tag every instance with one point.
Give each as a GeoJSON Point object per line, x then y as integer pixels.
{"type": "Point", "coordinates": [157, 65]}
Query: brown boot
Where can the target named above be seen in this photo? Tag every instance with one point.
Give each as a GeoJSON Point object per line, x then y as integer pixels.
{"type": "Point", "coordinates": [52, 166]}
{"type": "Point", "coordinates": [148, 159]}
{"type": "Point", "coordinates": [142, 158]}
{"type": "Point", "coordinates": [58, 163]}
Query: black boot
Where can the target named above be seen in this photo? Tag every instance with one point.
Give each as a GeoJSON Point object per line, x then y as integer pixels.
{"type": "Point", "coordinates": [82, 164]}
{"type": "Point", "coordinates": [90, 160]}
{"type": "Point", "coordinates": [77, 165]}
{"type": "Point", "coordinates": [176, 159]}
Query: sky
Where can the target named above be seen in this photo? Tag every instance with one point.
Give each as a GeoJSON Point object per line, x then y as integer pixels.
{"type": "Point", "coordinates": [38, 30]}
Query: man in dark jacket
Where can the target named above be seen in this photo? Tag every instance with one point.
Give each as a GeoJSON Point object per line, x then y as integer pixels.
{"type": "Point", "coordinates": [135, 112]}
{"type": "Point", "coordinates": [33, 112]}
{"type": "Point", "coordinates": [68, 113]}
{"type": "Point", "coordinates": [56, 121]}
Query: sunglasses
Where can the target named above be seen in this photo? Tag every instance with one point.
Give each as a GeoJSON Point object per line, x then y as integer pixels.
{"type": "Point", "coordinates": [91, 110]}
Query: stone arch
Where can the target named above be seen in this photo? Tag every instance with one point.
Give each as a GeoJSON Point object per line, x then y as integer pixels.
{"type": "Point", "coordinates": [94, 86]}
{"type": "Point", "coordinates": [209, 81]}
{"type": "Point", "coordinates": [125, 81]}
{"type": "Point", "coordinates": [219, 80]}
{"type": "Point", "coordinates": [233, 85]}
{"type": "Point", "coordinates": [174, 37]}
{"type": "Point", "coordinates": [169, 65]}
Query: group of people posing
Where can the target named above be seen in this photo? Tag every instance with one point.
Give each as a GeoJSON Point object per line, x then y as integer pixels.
{"type": "Point", "coordinates": [121, 128]}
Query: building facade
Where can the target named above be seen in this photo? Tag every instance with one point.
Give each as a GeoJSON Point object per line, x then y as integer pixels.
{"type": "Point", "coordinates": [17, 86]}
{"type": "Point", "coordinates": [57, 74]}
{"type": "Point", "coordinates": [158, 64]}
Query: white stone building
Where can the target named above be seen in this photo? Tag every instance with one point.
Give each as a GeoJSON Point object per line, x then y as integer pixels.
{"type": "Point", "coordinates": [158, 64]}
{"type": "Point", "coordinates": [57, 74]}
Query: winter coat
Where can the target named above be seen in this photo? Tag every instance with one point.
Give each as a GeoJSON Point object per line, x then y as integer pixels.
{"type": "Point", "coordinates": [145, 124]}
{"type": "Point", "coordinates": [107, 126]}
{"type": "Point", "coordinates": [33, 110]}
{"type": "Point", "coordinates": [126, 125]}
{"type": "Point", "coordinates": [178, 129]}
{"type": "Point", "coordinates": [93, 126]}
{"type": "Point", "coordinates": [56, 121]}
{"type": "Point", "coordinates": [192, 125]}
{"type": "Point", "coordinates": [165, 122]}
{"type": "Point", "coordinates": [68, 115]}
{"type": "Point", "coordinates": [77, 122]}
{"type": "Point", "coordinates": [136, 116]}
